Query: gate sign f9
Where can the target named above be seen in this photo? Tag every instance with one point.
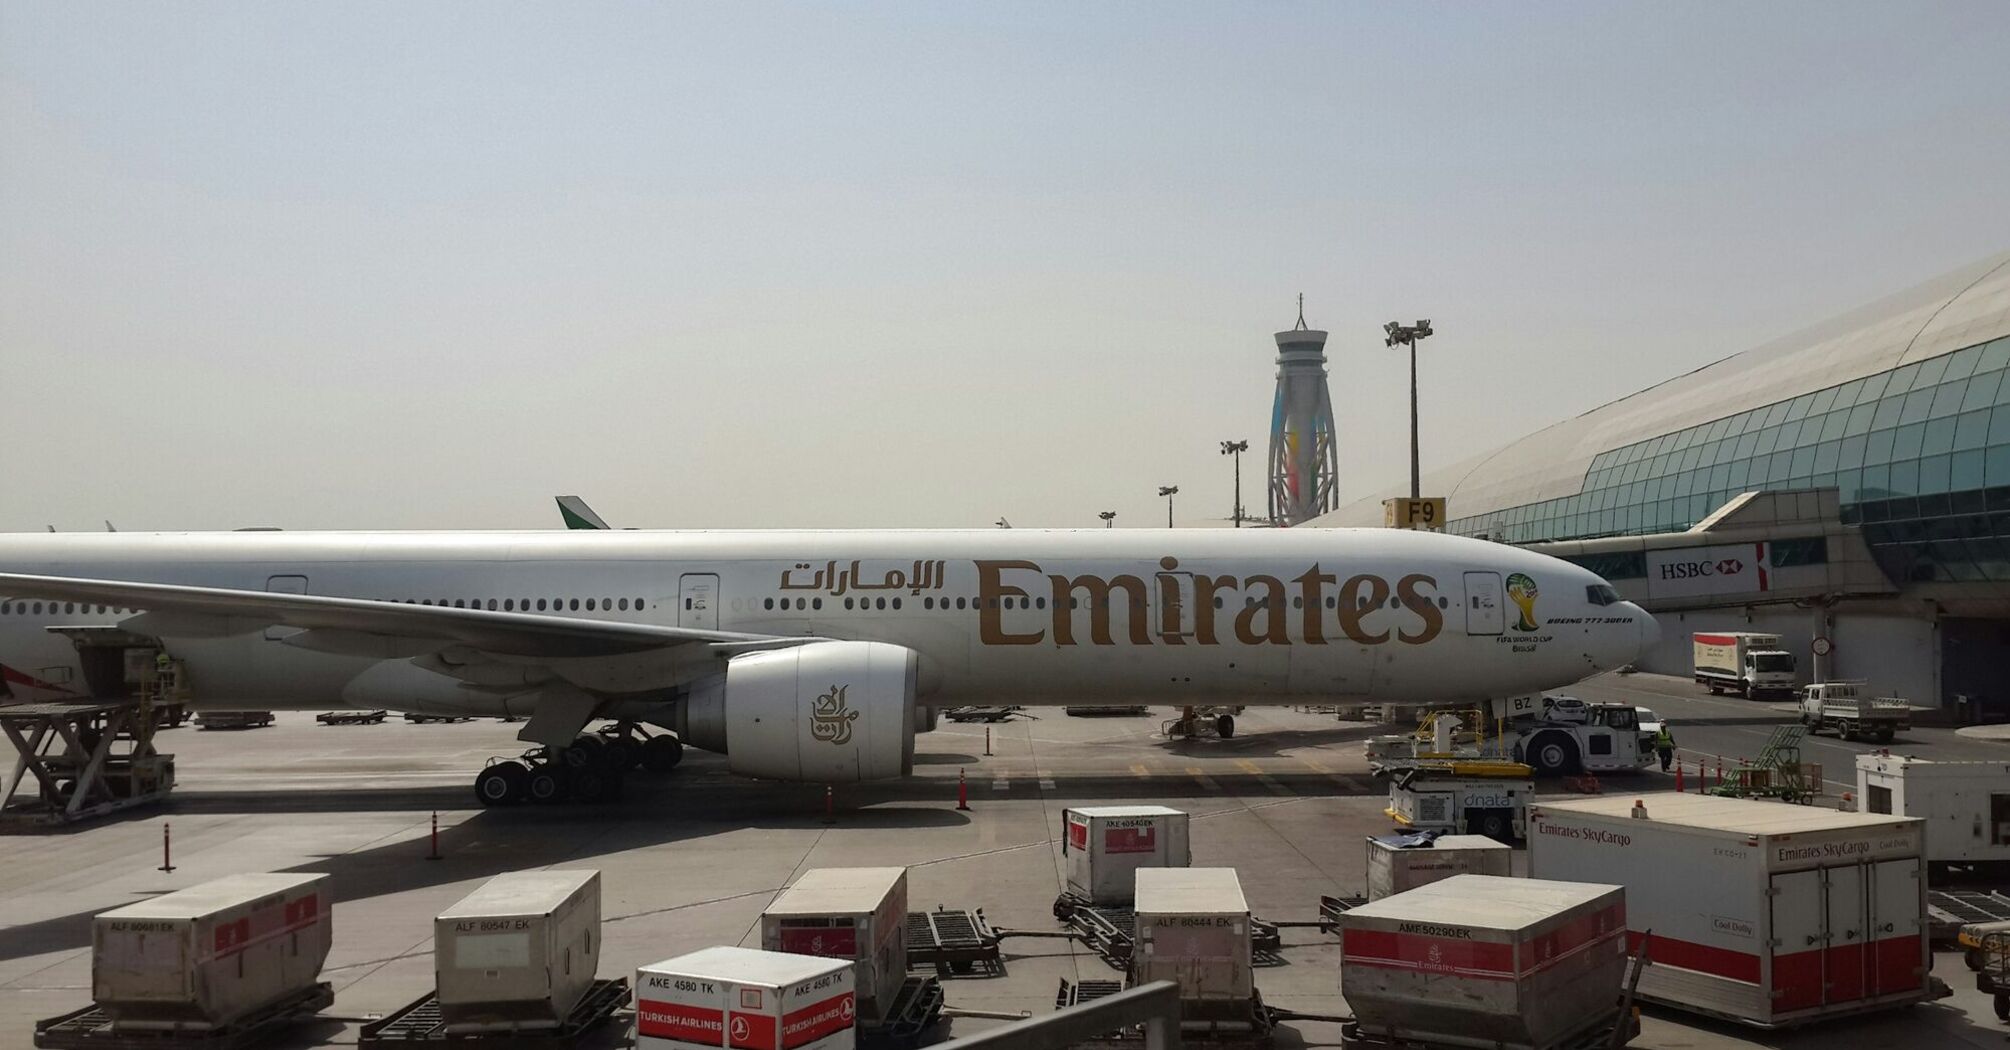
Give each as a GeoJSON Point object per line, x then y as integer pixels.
{"type": "Point", "coordinates": [1425, 512]}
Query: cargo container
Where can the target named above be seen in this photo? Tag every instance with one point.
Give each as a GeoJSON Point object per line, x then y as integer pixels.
{"type": "Point", "coordinates": [1394, 868]}
{"type": "Point", "coordinates": [1966, 805]}
{"type": "Point", "coordinates": [519, 952]}
{"type": "Point", "coordinates": [747, 1000]}
{"type": "Point", "coordinates": [1104, 845]}
{"type": "Point", "coordinates": [1193, 928]}
{"type": "Point", "coordinates": [207, 956]}
{"type": "Point", "coordinates": [1486, 961]}
{"type": "Point", "coordinates": [1761, 912]}
{"type": "Point", "coordinates": [858, 914]}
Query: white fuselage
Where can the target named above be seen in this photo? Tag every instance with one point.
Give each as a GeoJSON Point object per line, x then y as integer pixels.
{"type": "Point", "coordinates": [1011, 616]}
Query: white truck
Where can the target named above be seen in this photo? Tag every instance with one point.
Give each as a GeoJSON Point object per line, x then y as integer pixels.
{"type": "Point", "coordinates": [1750, 665]}
{"type": "Point", "coordinates": [1570, 736]}
{"type": "Point", "coordinates": [1852, 712]}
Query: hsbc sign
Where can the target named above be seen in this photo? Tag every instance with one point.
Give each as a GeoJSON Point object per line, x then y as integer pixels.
{"type": "Point", "coordinates": [1697, 571]}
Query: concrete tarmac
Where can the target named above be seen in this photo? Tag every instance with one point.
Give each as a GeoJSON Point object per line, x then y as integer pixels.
{"type": "Point", "coordinates": [690, 859]}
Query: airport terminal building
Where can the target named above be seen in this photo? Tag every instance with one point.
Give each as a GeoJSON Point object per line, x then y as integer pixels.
{"type": "Point", "coordinates": [1846, 487]}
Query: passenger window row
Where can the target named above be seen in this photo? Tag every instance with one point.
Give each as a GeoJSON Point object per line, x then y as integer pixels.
{"type": "Point", "coordinates": [19, 608]}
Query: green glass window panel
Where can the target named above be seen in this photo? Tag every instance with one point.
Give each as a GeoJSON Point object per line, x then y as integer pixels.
{"type": "Point", "coordinates": [1746, 443]}
{"type": "Point", "coordinates": [1918, 405]}
{"type": "Point", "coordinates": [1776, 468]}
{"type": "Point", "coordinates": [1982, 391]}
{"type": "Point", "coordinates": [1825, 456]}
{"type": "Point", "coordinates": [1966, 471]}
{"type": "Point", "coordinates": [1849, 454]}
{"type": "Point", "coordinates": [1849, 394]}
{"type": "Point", "coordinates": [1874, 387]}
{"type": "Point", "coordinates": [1833, 424]}
{"type": "Point", "coordinates": [1877, 481]}
{"type": "Point", "coordinates": [1748, 422]}
{"type": "Point", "coordinates": [1931, 371]}
{"type": "Point", "coordinates": [1776, 413]}
{"type": "Point", "coordinates": [1849, 483]}
{"type": "Point", "coordinates": [1939, 437]}
{"type": "Point", "coordinates": [1905, 442]}
{"type": "Point", "coordinates": [1994, 355]}
{"type": "Point", "coordinates": [1877, 446]}
{"type": "Point", "coordinates": [1858, 420]}
{"type": "Point", "coordinates": [1947, 398]}
{"type": "Point", "coordinates": [1718, 476]}
{"type": "Point", "coordinates": [1961, 363]}
{"type": "Point", "coordinates": [1661, 466]}
{"type": "Point", "coordinates": [1933, 475]}
{"type": "Point", "coordinates": [1905, 478]}
{"type": "Point", "coordinates": [1769, 439]}
{"type": "Point", "coordinates": [1996, 465]}
{"type": "Point", "coordinates": [1999, 423]}
{"type": "Point", "coordinates": [1901, 380]}
{"type": "Point", "coordinates": [1740, 471]}
{"type": "Point", "coordinates": [1887, 413]}
{"type": "Point", "coordinates": [1798, 407]}
{"type": "Point", "coordinates": [1823, 401]}
{"type": "Point", "coordinates": [1822, 481]}
{"type": "Point", "coordinates": [1971, 429]}
{"type": "Point", "coordinates": [1688, 458]}
{"type": "Point", "coordinates": [1717, 430]}
{"type": "Point", "coordinates": [1685, 483]}
{"type": "Point", "coordinates": [1804, 460]}
{"type": "Point", "coordinates": [1793, 433]}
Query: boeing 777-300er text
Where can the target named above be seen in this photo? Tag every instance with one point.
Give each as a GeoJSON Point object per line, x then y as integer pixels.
{"type": "Point", "coordinates": [809, 656]}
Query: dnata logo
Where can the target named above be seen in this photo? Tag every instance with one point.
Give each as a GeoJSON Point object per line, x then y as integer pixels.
{"type": "Point", "coordinates": [1684, 570]}
{"type": "Point", "coordinates": [1522, 591]}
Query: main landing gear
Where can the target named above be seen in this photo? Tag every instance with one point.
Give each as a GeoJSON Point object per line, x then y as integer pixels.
{"type": "Point", "coordinates": [593, 768]}
{"type": "Point", "coordinates": [1203, 721]}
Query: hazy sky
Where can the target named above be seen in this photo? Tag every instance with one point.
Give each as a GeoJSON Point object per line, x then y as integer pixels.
{"type": "Point", "coordinates": [397, 265]}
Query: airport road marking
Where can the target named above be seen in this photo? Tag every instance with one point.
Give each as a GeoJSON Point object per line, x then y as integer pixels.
{"type": "Point", "coordinates": [1320, 768]}
{"type": "Point", "coordinates": [1206, 781]}
{"type": "Point", "coordinates": [1001, 781]}
{"type": "Point", "coordinates": [1046, 779]}
{"type": "Point", "coordinates": [1138, 769]}
{"type": "Point", "coordinates": [1275, 785]}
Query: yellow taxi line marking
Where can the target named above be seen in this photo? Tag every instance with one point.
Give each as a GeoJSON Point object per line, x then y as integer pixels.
{"type": "Point", "coordinates": [1206, 781]}
{"type": "Point", "coordinates": [1276, 786]}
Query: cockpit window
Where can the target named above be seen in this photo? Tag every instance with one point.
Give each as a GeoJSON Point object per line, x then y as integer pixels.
{"type": "Point", "coordinates": [1601, 594]}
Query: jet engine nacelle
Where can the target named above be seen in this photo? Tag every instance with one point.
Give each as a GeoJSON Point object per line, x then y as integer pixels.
{"type": "Point", "coordinates": [824, 712]}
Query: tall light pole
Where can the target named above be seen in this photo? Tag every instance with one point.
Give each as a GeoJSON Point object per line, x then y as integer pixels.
{"type": "Point", "coordinates": [1236, 449]}
{"type": "Point", "coordinates": [1399, 334]}
{"type": "Point", "coordinates": [1169, 491]}
{"type": "Point", "coordinates": [1109, 519]}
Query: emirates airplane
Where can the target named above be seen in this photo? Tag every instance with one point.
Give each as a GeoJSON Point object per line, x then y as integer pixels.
{"type": "Point", "coordinates": [807, 656]}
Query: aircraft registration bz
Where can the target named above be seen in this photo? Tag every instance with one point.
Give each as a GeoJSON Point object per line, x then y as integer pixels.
{"type": "Point", "coordinates": [745, 999]}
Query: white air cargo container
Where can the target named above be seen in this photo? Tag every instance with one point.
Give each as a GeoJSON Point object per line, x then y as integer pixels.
{"type": "Point", "coordinates": [1104, 845]}
{"type": "Point", "coordinates": [745, 999]}
{"type": "Point", "coordinates": [1966, 805]}
{"type": "Point", "coordinates": [858, 914]}
{"type": "Point", "coordinates": [1486, 961]}
{"type": "Point", "coordinates": [1393, 869]}
{"type": "Point", "coordinates": [519, 952]}
{"type": "Point", "coordinates": [1193, 928]}
{"type": "Point", "coordinates": [1761, 912]}
{"type": "Point", "coordinates": [208, 955]}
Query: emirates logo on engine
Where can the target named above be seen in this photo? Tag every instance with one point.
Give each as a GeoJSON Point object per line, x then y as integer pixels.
{"type": "Point", "coordinates": [831, 720]}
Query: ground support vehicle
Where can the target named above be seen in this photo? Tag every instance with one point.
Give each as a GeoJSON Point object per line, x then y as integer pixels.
{"type": "Point", "coordinates": [1992, 977]}
{"type": "Point", "coordinates": [1563, 737]}
{"type": "Point", "coordinates": [83, 760]}
{"type": "Point", "coordinates": [418, 1024]}
{"type": "Point", "coordinates": [1469, 797]}
{"type": "Point", "coordinates": [91, 1028]}
{"type": "Point", "coordinates": [1750, 665]}
{"type": "Point", "coordinates": [954, 942]}
{"type": "Point", "coordinates": [1778, 772]}
{"type": "Point", "coordinates": [1098, 710]}
{"type": "Point", "coordinates": [233, 719]}
{"type": "Point", "coordinates": [1202, 722]}
{"type": "Point", "coordinates": [417, 718]}
{"type": "Point", "coordinates": [1966, 806]}
{"type": "Point", "coordinates": [351, 718]}
{"type": "Point", "coordinates": [1852, 713]}
{"type": "Point", "coordinates": [982, 714]}
{"type": "Point", "coordinates": [1765, 914]}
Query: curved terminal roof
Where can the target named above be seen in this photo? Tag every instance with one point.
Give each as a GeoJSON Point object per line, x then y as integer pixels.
{"type": "Point", "coordinates": [1959, 309]}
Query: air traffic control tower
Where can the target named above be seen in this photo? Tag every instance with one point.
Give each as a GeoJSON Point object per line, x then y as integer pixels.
{"type": "Point", "coordinates": [1304, 463]}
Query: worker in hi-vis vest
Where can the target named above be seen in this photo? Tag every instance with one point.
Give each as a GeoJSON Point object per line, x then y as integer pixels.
{"type": "Point", "coordinates": [1664, 746]}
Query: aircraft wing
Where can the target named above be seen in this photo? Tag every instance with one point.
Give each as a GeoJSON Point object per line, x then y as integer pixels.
{"type": "Point", "coordinates": [515, 634]}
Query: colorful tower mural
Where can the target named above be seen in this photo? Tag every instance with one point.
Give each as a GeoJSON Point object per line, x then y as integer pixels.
{"type": "Point", "coordinates": [1304, 462]}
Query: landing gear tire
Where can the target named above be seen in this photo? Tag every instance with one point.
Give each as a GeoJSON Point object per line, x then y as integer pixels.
{"type": "Point", "coordinates": [1224, 726]}
{"type": "Point", "coordinates": [502, 784]}
{"type": "Point", "coordinates": [585, 752]}
{"type": "Point", "coordinates": [662, 753]}
{"type": "Point", "coordinates": [546, 785]}
{"type": "Point", "coordinates": [591, 785]}
{"type": "Point", "coordinates": [621, 753]}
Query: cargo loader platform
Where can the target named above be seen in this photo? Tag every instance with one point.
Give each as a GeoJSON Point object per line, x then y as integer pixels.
{"type": "Point", "coordinates": [916, 1009]}
{"type": "Point", "coordinates": [92, 1029]}
{"type": "Point", "coordinates": [86, 758]}
{"type": "Point", "coordinates": [1220, 1025]}
{"type": "Point", "coordinates": [419, 1024]}
{"type": "Point", "coordinates": [959, 943]}
{"type": "Point", "coordinates": [1949, 910]}
{"type": "Point", "coordinates": [1112, 932]}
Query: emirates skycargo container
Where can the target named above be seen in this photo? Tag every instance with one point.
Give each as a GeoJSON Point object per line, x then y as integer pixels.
{"type": "Point", "coordinates": [206, 956]}
{"type": "Point", "coordinates": [1393, 868]}
{"type": "Point", "coordinates": [746, 1000]}
{"type": "Point", "coordinates": [1193, 928]}
{"type": "Point", "coordinates": [1761, 912]}
{"type": "Point", "coordinates": [859, 914]}
{"type": "Point", "coordinates": [519, 952]}
{"type": "Point", "coordinates": [1105, 845]}
{"type": "Point", "coordinates": [1487, 961]}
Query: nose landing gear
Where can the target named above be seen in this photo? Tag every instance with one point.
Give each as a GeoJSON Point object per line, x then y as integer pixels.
{"type": "Point", "coordinates": [1203, 722]}
{"type": "Point", "coordinates": [592, 769]}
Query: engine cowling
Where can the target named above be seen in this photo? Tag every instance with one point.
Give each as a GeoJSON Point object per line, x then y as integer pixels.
{"type": "Point", "coordinates": [825, 712]}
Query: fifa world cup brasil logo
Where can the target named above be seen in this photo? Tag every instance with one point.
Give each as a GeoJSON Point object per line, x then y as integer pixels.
{"type": "Point", "coordinates": [1521, 591]}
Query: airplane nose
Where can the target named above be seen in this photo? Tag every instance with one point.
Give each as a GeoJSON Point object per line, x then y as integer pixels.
{"type": "Point", "coordinates": [1650, 631]}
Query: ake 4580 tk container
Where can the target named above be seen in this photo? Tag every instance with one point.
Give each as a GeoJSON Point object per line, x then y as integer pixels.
{"type": "Point", "coordinates": [519, 952]}
{"type": "Point", "coordinates": [1104, 845]}
{"type": "Point", "coordinates": [1762, 912]}
{"type": "Point", "coordinates": [204, 957]}
{"type": "Point", "coordinates": [858, 914]}
{"type": "Point", "coordinates": [745, 999]}
{"type": "Point", "coordinates": [1487, 961]}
